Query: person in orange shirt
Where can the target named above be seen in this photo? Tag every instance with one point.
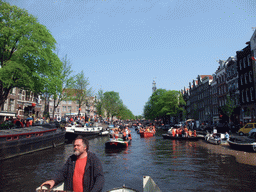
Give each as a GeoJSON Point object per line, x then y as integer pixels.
{"type": "Point", "coordinates": [82, 172]}
{"type": "Point", "coordinates": [194, 133]}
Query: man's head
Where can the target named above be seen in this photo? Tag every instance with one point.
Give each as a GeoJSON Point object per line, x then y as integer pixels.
{"type": "Point", "coordinates": [81, 146]}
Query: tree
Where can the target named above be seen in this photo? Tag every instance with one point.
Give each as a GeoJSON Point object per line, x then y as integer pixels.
{"type": "Point", "coordinates": [163, 104]}
{"type": "Point", "coordinates": [111, 103]}
{"type": "Point", "coordinates": [229, 108]}
{"type": "Point", "coordinates": [61, 84]}
{"type": "Point", "coordinates": [27, 59]}
{"type": "Point", "coordinates": [99, 102]}
{"type": "Point", "coordinates": [80, 90]}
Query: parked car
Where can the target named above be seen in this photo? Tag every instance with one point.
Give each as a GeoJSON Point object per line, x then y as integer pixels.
{"type": "Point", "coordinates": [252, 133]}
{"type": "Point", "coordinates": [246, 129]}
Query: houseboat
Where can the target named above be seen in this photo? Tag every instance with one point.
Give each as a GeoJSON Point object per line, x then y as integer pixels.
{"type": "Point", "coordinates": [15, 142]}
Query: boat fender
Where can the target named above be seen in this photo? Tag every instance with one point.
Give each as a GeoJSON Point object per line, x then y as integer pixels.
{"type": "Point", "coordinates": [126, 144]}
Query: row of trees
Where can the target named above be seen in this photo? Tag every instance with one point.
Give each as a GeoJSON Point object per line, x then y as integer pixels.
{"type": "Point", "coordinates": [29, 60]}
{"type": "Point", "coordinates": [164, 104]}
{"type": "Point", "coordinates": [111, 104]}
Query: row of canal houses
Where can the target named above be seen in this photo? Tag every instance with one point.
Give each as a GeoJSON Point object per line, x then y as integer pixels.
{"type": "Point", "coordinates": [234, 80]}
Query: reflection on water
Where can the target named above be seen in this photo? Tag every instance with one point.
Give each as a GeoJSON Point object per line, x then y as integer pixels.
{"type": "Point", "coordinates": [174, 165]}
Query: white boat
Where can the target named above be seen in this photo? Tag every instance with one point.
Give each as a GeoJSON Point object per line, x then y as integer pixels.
{"type": "Point", "coordinates": [104, 133]}
{"type": "Point", "coordinates": [216, 138]}
{"type": "Point", "coordinates": [148, 186]}
{"type": "Point", "coordinates": [73, 130]}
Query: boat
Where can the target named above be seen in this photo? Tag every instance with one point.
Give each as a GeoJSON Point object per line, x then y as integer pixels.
{"type": "Point", "coordinates": [217, 139]}
{"type": "Point", "coordinates": [72, 131]}
{"type": "Point", "coordinates": [169, 136]}
{"type": "Point", "coordinates": [15, 142]}
{"type": "Point", "coordinates": [117, 143]}
{"type": "Point", "coordinates": [148, 186]}
{"type": "Point", "coordinates": [242, 143]}
{"type": "Point", "coordinates": [104, 133]}
{"type": "Point", "coordinates": [147, 133]}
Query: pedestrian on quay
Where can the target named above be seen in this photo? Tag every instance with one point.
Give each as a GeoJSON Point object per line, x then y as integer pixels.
{"type": "Point", "coordinates": [82, 171]}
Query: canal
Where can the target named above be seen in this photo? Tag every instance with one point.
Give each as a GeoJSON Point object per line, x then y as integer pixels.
{"type": "Point", "coordinates": [173, 165]}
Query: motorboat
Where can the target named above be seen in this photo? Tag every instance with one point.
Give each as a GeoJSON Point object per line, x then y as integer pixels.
{"type": "Point", "coordinates": [73, 130]}
{"type": "Point", "coordinates": [117, 143]}
{"type": "Point", "coordinates": [144, 134]}
{"type": "Point", "coordinates": [20, 141]}
{"type": "Point", "coordinates": [242, 143]}
{"type": "Point", "coordinates": [216, 138]}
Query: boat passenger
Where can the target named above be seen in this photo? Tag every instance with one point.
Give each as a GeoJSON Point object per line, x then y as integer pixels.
{"type": "Point", "coordinates": [173, 132]}
{"type": "Point", "coordinates": [226, 136]}
{"type": "Point", "coordinates": [82, 172]}
{"type": "Point", "coordinates": [189, 133]}
{"type": "Point", "coordinates": [194, 133]}
{"type": "Point", "coordinates": [124, 135]}
{"type": "Point", "coordinates": [126, 132]}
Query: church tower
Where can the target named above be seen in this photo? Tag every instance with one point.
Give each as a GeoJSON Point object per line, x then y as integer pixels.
{"type": "Point", "coordinates": [153, 86]}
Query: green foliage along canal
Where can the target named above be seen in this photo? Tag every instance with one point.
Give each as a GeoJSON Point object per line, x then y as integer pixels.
{"type": "Point", "coordinates": [173, 165]}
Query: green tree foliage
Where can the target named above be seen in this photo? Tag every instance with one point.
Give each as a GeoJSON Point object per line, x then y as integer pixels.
{"type": "Point", "coordinates": [27, 57]}
{"type": "Point", "coordinates": [62, 83]}
{"type": "Point", "coordinates": [99, 103]}
{"type": "Point", "coordinates": [229, 107]}
{"type": "Point", "coordinates": [112, 103]}
{"type": "Point", "coordinates": [124, 113]}
{"type": "Point", "coordinates": [164, 103]}
{"type": "Point", "coordinates": [80, 90]}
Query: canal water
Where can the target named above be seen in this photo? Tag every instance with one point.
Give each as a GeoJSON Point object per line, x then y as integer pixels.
{"type": "Point", "coordinates": [173, 165]}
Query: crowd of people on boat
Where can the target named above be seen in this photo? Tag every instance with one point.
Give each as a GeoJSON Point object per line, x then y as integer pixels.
{"type": "Point", "coordinates": [147, 128]}
{"type": "Point", "coordinates": [182, 132]}
{"type": "Point", "coordinates": [120, 132]}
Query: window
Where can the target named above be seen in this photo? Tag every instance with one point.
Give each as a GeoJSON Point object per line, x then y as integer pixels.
{"type": "Point", "coordinates": [58, 110]}
{"type": "Point", "coordinates": [241, 79]}
{"type": "Point", "coordinates": [64, 108]}
{"type": "Point", "coordinates": [50, 109]}
{"type": "Point", "coordinates": [248, 60]}
{"type": "Point", "coordinates": [240, 64]}
{"type": "Point", "coordinates": [245, 78]}
{"type": "Point", "coordinates": [11, 105]}
{"type": "Point", "coordinates": [251, 93]}
{"type": "Point", "coordinates": [244, 62]}
{"type": "Point", "coordinates": [69, 108]}
{"type": "Point", "coordinates": [247, 96]}
{"type": "Point", "coordinates": [250, 76]}
{"type": "Point", "coordinates": [242, 96]}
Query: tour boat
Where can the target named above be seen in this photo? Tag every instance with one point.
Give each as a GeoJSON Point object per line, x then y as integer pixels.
{"type": "Point", "coordinates": [72, 131]}
{"type": "Point", "coordinates": [148, 186]}
{"type": "Point", "coordinates": [147, 134]}
{"type": "Point", "coordinates": [243, 143]}
{"type": "Point", "coordinates": [15, 142]}
{"type": "Point", "coordinates": [169, 136]}
{"type": "Point", "coordinates": [117, 143]}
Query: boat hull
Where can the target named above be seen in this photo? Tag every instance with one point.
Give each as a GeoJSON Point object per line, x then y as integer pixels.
{"type": "Point", "coordinates": [112, 144]}
{"type": "Point", "coordinates": [243, 146]}
{"type": "Point", "coordinates": [167, 136]}
{"type": "Point", "coordinates": [147, 134]}
{"type": "Point", "coordinates": [21, 144]}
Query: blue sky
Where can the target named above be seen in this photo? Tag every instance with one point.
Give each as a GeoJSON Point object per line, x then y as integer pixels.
{"type": "Point", "coordinates": [123, 45]}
